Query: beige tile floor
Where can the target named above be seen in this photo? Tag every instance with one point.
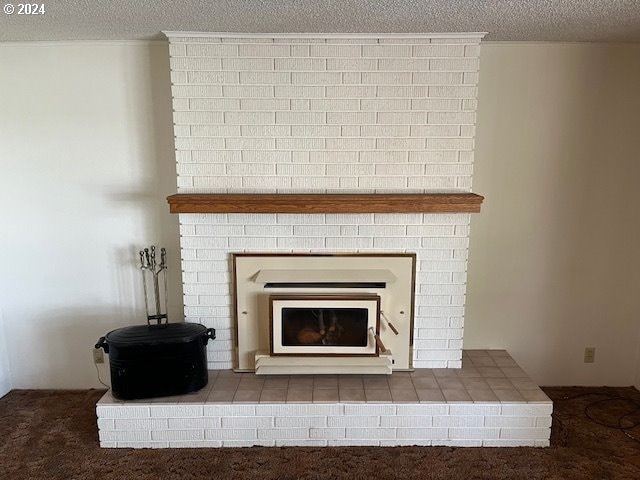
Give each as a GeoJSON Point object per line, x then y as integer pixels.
{"type": "Point", "coordinates": [486, 376]}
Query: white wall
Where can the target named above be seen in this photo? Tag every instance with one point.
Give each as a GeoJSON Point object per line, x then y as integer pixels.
{"type": "Point", "coordinates": [554, 261]}
{"type": "Point", "coordinates": [86, 152]}
{"type": "Point", "coordinates": [87, 157]}
{"type": "Point", "coordinates": [6, 383]}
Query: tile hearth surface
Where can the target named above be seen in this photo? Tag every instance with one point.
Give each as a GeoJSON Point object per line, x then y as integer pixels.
{"type": "Point", "coordinates": [489, 401]}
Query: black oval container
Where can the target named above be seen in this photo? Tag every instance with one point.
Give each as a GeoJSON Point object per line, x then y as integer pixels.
{"type": "Point", "coordinates": [157, 361]}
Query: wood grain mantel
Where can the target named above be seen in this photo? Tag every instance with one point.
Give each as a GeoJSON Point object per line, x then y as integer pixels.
{"type": "Point", "coordinates": [325, 203]}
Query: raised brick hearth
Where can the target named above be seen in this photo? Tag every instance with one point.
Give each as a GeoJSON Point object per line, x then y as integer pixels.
{"type": "Point", "coordinates": [490, 401]}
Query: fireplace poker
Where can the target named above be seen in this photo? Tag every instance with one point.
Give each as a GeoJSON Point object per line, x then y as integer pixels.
{"type": "Point", "coordinates": [378, 340]}
{"type": "Point", "coordinates": [389, 324]}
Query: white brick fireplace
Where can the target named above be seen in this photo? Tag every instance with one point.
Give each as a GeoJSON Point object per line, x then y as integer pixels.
{"type": "Point", "coordinates": [326, 114]}
{"type": "Point", "coordinates": [330, 114]}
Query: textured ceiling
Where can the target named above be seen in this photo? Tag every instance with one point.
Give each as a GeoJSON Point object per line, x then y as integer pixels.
{"type": "Point", "coordinates": [541, 20]}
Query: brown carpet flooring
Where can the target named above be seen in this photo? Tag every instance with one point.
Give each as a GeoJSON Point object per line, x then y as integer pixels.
{"type": "Point", "coordinates": [53, 435]}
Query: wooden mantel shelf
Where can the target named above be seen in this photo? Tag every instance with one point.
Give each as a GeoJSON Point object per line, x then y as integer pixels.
{"type": "Point", "coordinates": [325, 203]}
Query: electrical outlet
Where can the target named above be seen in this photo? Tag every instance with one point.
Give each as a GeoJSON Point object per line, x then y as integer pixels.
{"type": "Point", "coordinates": [589, 354]}
{"type": "Point", "coordinates": [98, 355]}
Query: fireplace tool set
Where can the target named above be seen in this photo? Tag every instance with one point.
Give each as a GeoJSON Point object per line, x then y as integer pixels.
{"type": "Point", "coordinates": [150, 268]}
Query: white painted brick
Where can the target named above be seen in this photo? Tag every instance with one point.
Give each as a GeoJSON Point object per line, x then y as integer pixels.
{"type": "Point", "coordinates": [334, 50]}
{"type": "Point", "coordinates": [127, 411]}
{"type": "Point", "coordinates": [299, 410]}
{"type": "Point", "coordinates": [437, 78]}
{"type": "Point", "coordinates": [434, 104]}
{"type": "Point", "coordinates": [305, 243]}
{"type": "Point", "coordinates": [454, 64]}
{"type": "Point", "coordinates": [291, 422]}
{"type": "Point", "coordinates": [354, 421]}
{"type": "Point", "coordinates": [351, 78]}
{"type": "Point", "coordinates": [383, 182]}
{"type": "Point", "coordinates": [293, 64]}
{"type": "Point", "coordinates": [203, 50]}
{"type": "Point", "coordinates": [263, 50]}
{"type": "Point", "coordinates": [265, 157]}
{"type": "Point", "coordinates": [397, 218]}
{"type": "Point", "coordinates": [350, 117]}
{"type": "Point", "coordinates": [315, 78]}
{"type": "Point", "coordinates": [283, 433]}
{"type": "Point", "coordinates": [470, 78]}
{"type": "Point", "coordinates": [348, 219]}
{"type": "Point", "coordinates": [386, 51]}
{"type": "Point", "coordinates": [350, 91]}
{"type": "Point", "coordinates": [106, 424]}
{"type": "Point", "coordinates": [326, 433]}
{"type": "Point", "coordinates": [197, 117]}
{"type": "Point", "coordinates": [351, 143]}
{"type": "Point", "coordinates": [527, 410]}
{"type": "Point", "coordinates": [244, 118]}
{"type": "Point", "coordinates": [439, 50]}
{"type": "Point", "coordinates": [474, 409]}
{"type": "Point", "coordinates": [108, 444]}
{"type": "Point", "coordinates": [247, 422]}
{"type": "Point", "coordinates": [343, 170]}
{"type": "Point", "coordinates": [369, 409]}
{"type": "Point", "coordinates": [266, 182]}
{"type": "Point", "coordinates": [295, 118]}
{"type": "Point", "coordinates": [300, 219]}
{"type": "Point", "coordinates": [386, 78]}
{"type": "Point", "coordinates": [212, 77]}
{"type": "Point", "coordinates": [370, 433]}
{"type": "Point", "coordinates": [343, 442]}
{"type": "Point", "coordinates": [177, 435]}
{"type": "Point", "coordinates": [140, 424]}
{"type": "Point", "coordinates": [262, 78]}
{"type": "Point", "coordinates": [525, 433]}
{"type": "Point", "coordinates": [231, 434]}
{"type": "Point", "coordinates": [408, 118]}
{"type": "Point", "coordinates": [247, 91]}
{"type": "Point", "coordinates": [423, 409]}
{"type": "Point", "coordinates": [247, 64]}
{"type": "Point", "coordinates": [264, 104]}
{"type": "Point", "coordinates": [176, 50]}
{"type": "Point", "coordinates": [406, 421]}
{"type": "Point", "coordinates": [299, 91]}
{"type": "Point", "coordinates": [543, 422]}
{"type": "Point", "coordinates": [300, 143]}
{"type": "Point", "coordinates": [175, 411]}
{"type": "Point", "coordinates": [125, 436]}
{"type": "Point", "coordinates": [301, 443]}
{"type": "Point", "coordinates": [474, 433]}
{"type": "Point", "coordinates": [355, 64]}
{"type": "Point", "coordinates": [458, 421]}
{"type": "Point", "coordinates": [178, 77]}
{"type": "Point", "coordinates": [504, 421]}
{"type": "Point", "coordinates": [422, 433]}
{"type": "Point", "coordinates": [408, 91]}
{"type": "Point", "coordinates": [404, 64]}
{"type": "Point", "coordinates": [187, 91]}
{"type": "Point", "coordinates": [348, 242]}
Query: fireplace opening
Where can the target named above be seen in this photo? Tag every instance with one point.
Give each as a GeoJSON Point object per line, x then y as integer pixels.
{"type": "Point", "coordinates": [330, 327]}
{"type": "Point", "coordinates": [324, 324]}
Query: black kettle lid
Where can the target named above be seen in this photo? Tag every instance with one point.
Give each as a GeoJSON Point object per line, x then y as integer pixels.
{"type": "Point", "coordinates": [155, 334]}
